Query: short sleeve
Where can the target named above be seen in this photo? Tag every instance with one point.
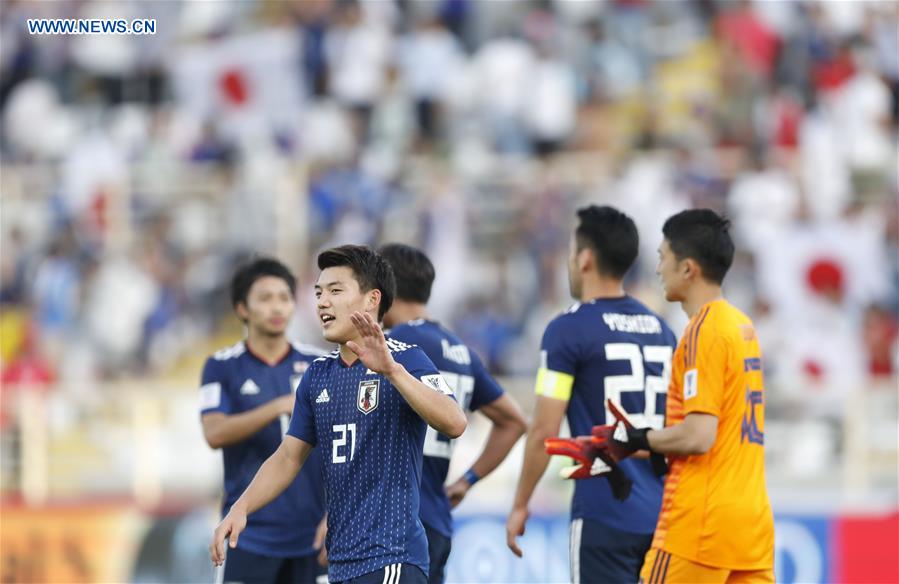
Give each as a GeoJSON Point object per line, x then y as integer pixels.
{"type": "Point", "coordinates": [302, 422]}
{"type": "Point", "coordinates": [703, 382]}
{"type": "Point", "coordinates": [420, 366]}
{"type": "Point", "coordinates": [214, 390]}
{"type": "Point", "coordinates": [558, 362]}
{"type": "Point", "coordinates": [486, 389]}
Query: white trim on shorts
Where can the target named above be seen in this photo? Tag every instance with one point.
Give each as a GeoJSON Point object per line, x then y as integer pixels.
{"type": "Point", "coordinates": [392, 574]}
{"type": "Point", "coordinates": [574, 549]}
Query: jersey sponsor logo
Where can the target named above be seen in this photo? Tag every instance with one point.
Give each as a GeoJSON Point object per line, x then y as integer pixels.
{"type": "Point", "coordinates": [323, 397]}
{"type": "Point", "coordinates": [690, 384]}
{"type": "Point", "coordinates": [249, 387]}
{"type": "Point", "coordinates": [455, 353]}
{"type": "Point", "coordinates": [367, 397]}
{"type": "Point", "coordinates": [210, 396]}
{"type": "Point", "coordinates": [437, 383]}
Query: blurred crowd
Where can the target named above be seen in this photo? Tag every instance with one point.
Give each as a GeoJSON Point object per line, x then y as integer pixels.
{"type": "Point", "coordinates": [137, 170]}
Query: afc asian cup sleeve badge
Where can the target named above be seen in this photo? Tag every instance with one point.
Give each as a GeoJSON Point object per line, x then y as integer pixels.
{"type": "Point", "coordinates": [367, 398]}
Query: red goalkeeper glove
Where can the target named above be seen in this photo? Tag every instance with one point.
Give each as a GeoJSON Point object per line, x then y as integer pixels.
{"type": "Point", "coordinates": [591, 461]}
{"type": "Point", "coordinates": [622, 438]}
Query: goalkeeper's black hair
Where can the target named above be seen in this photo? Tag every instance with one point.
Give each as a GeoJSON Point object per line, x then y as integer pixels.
{"type": "Point", "coordinates": [611, 235]}
{"type": "Point", "coordinates": [413, 270]}
{"type": "Point", "coordinates": [703, 236]}
{"type": "Point", "coordinates": [371, 271]}
{"type": "Point", "coordinates": [247, 274]}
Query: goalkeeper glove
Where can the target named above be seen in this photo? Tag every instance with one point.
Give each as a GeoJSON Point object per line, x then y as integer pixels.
{"type": "Point", "coordinates": [622, 439]}
{"type": "Point", "coordinates": [591, 461]}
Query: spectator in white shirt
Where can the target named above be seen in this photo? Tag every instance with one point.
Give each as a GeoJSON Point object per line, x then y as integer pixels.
{"type": "Point", "coordinates": [358, 51]}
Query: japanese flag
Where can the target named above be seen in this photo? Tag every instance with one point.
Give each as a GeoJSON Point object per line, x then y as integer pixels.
{"type": "Point", "coordinates": [246, 83]}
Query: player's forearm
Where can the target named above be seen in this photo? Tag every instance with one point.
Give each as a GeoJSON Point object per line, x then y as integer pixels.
{"type": "Point", "coordinates": [535, 462]}
{"type": "Point", "coordinates": [500, 441]}
{"type": "Point", "coordinates": [690, 437]}
{"type": "Point", "coordinates": [439, 411]}
{"type": "Point", "coordinates": [222, 430]}
{"type": "Point", "coordinates": [275, 475]}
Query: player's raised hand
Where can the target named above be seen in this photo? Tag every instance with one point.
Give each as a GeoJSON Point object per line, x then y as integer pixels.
{"type": "Point", "coordinates": [372, 347]}
{"type": "Point", "coordinates": [515, 527]}
{"type": "Point", "coordinates": [230, 527]}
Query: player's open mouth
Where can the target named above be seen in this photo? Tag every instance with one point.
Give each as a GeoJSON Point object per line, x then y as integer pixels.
{"type": "Point", "coordinates": [327, 318]}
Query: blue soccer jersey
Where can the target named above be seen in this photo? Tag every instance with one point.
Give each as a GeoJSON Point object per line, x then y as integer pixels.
{"type": "Point", "coordinates": [610, 348]}
{"type": "Point", "coordinates": [235, 381]}
{"type": "Point", "coordinates": [473, 387]}
{"type": "Point", "coordinates": [371, 442]}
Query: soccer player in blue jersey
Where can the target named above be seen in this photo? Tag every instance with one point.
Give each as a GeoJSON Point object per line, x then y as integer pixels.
{"type": "Point", "coordinates": [607, 345]}
{"type": "Point", "coordinates": [367, 405]}
{"type": "Point", "coordinates": [474, 388]}
{"type": "Point", "coordinates": [247, 396]}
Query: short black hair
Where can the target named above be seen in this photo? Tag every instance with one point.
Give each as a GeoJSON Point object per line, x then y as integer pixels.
{"type": "Point", "coordinates": [703, 236]}
{"type": "Point", "coordinates": [412, 269]}
{"type": "Point", "coordinates": [247, 274]}
{"type": "Point", "coordinates": [611, 235]}
{"type": "Point", "coordinates": [371, 270]}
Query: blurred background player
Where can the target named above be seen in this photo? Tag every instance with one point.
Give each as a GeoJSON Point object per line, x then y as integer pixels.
{"type": "Point", "coordinates": [247, 396]}
{"type": "Point", "coordinates": [474, 388]}
{"type": "Point", "coordinates": [367, 404]}
{"type": "Point", "coordinates": [716, 523]}
{"type": "Point", "coordinates": [607, 345]}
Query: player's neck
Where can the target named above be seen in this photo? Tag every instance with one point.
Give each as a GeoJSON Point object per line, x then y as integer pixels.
{"type": "Point", "coordinates": [701, 294]}
{"type": "Point", "coordinates": [594, 286]}
{"type": "Point", "coordinates": [346, 354]}
{"type": "Point", "coordinates": [403, 311]}
{"type": "Point", "coordinates": [270, 349]}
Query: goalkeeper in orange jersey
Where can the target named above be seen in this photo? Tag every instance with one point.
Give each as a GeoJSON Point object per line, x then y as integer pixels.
{"type": "Point", "coordinates": [716, 523]}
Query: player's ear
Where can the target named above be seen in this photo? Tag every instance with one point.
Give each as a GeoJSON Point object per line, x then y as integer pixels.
{"type": "Point", "coordinates": [242, 313]}
{"type": "Point", "coordinates": [585, 259]}
{"type": "Point", "coordinates": [373, 299]}
{"type": "Point", "coordinates": [690, 268]}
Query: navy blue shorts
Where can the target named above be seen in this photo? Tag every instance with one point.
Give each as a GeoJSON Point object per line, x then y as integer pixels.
{"type": "Point", "coordinates": [392, 574]}
{"type": "Point", "coordinates": [439, 547]}
{"type": "Point", "coordinates": [249, 568]}
{"type": "Point", "coordinates": [603, 554]}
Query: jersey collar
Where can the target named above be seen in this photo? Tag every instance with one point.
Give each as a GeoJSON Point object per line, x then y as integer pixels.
{"type": "Point", "coordinates": [258, 357]}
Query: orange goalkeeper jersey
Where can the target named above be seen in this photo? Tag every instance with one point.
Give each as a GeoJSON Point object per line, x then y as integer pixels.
{"type": "Point", "coordinates": [715, 508]}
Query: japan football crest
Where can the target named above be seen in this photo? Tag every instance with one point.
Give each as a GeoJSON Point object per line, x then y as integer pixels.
{"type": "Point", "coordinates": [367, 398]}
